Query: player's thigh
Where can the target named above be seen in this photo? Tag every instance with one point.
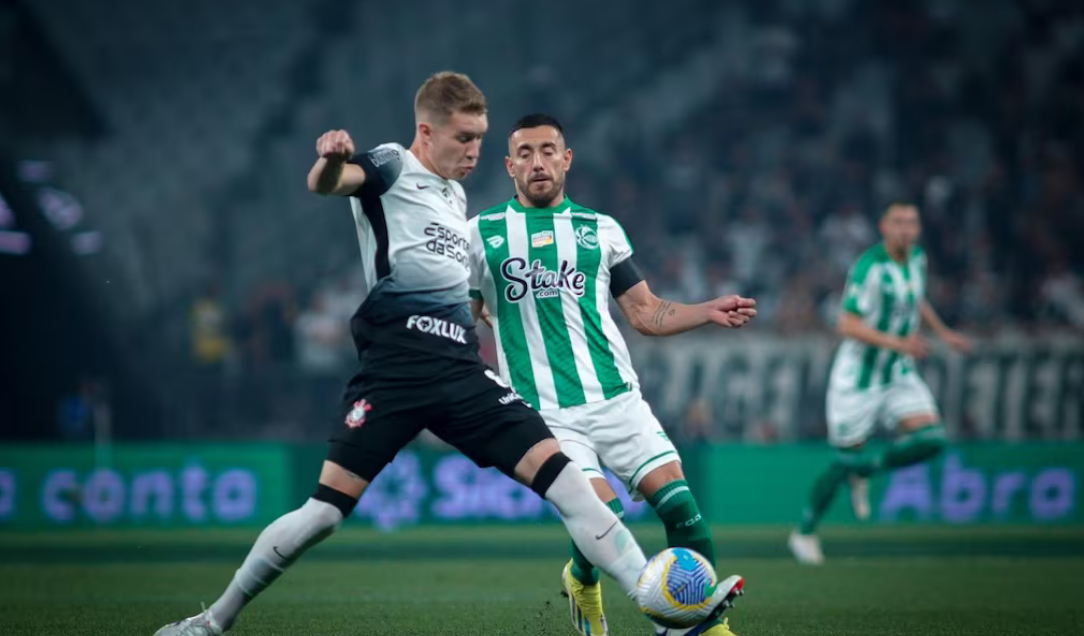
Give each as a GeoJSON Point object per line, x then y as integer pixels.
{"type": "Point", "coordinates": [375, 422]}
{"type": "Point", "coordinates": [852, 415]}
{"type": "Point", "coordinates": [909, 404]}
{"type": "Point", "coordinates": [577, 447]}
{"type": "Point", "coordinates": [629, 439]}
{"type": "Point", "coordinates": [342, 480]}
{"type": "Point", "coordinates": [567, 425]}
{"type": "Point", "coordinates": [489, 423]}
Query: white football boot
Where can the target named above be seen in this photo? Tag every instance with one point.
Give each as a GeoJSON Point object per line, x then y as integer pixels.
{"type": "Point", "coordinates": [202, 624]}
{"type": "Point", "coordinates": [726, 592]}
{"type": "Point", "coordinates": [806, 548]}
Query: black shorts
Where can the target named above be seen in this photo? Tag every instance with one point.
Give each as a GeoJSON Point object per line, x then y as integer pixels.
{"type": "Point", "coordinates": [465, 404]}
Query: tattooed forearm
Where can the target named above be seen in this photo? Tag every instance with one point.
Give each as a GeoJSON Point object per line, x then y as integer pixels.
{"type": "Point", "coordinates": [664, 309]}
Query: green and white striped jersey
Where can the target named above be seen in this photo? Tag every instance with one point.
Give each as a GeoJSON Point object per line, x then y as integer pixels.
{"type": "Point", "coordinates": [545, 276]}
{"type": "Point", "coordinates": [887, 295]}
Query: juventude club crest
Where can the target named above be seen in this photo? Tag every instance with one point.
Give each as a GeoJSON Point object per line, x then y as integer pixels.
{"type": "Point", "coordinates": [356, 417]}
{"type": "Point", "coordinates": [586, 237]}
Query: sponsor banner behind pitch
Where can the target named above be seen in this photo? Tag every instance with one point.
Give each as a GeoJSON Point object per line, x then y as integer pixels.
{"type": "Point", "coordinates": [975, 483]}
{"type": "Point", "coordinates": [172, 485]}
{"type": "Point", "coordinates": [145, 485]}
{"type": "Point", "coordinates": [1007, 389]}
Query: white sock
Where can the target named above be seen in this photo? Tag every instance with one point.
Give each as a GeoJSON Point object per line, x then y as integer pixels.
{"type": "Point", "coordinates": [595, 529]}
{"type": "Point", "coordinates": [277, 547]}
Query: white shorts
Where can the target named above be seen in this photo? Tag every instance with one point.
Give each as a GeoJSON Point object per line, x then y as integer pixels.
{"type": "Point", "coordinates": [853, 414]}
{"type": "Point", "coordinates": [621, 434]}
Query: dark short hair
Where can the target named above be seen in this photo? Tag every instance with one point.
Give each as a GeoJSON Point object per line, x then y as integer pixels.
{"type": "Point", "coordinates": [535, 120]}
{"type": "Point", "coordinates": [898, 203]}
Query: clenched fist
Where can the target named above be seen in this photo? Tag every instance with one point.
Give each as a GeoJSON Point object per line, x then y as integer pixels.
{"type": "Point", "coordinates": [335, 145]}
{"type": "Point", "coordinates": [731, 311]}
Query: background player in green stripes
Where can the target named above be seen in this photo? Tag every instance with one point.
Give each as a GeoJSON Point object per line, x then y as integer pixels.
{"type": "Point", "coordinates": [546, 268]}
{"type": "Point", "coordinates": [873, 375]}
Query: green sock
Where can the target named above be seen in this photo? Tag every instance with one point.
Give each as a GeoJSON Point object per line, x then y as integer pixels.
{"type": "Point", "coordinates": [685, 526]}
{"type": "Point", "coordinates": [845, 462]}
{"type": "Point", "coordinates": [583, 570]}
{"type": "Point", "coordinates": [913, 448]}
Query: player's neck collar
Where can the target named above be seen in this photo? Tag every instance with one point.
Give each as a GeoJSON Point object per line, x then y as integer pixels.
{"type": "Point", "coordinates": [560, 208]}
{"type": "Point", "coordinates": [908, 255]}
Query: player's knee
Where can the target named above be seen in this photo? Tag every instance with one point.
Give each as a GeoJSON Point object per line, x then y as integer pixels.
{"type": "Point", "coordinates": [547, 473]}
{"type": "Point", "coordinates": [526, 468]}
{"type": "Point", "coordinates": [934, 436]}
{"type": "Point", "coordinates": [659, 478]}
{"type": "Point", "coordinates": [341, 504]}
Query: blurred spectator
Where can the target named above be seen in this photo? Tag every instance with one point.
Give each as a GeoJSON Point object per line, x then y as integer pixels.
{"type": "Point", "coordinates": [266, 329]}
{"type": "Point", "coordinates": [209, 334]}
{"type": "Point", "coordinates": [321, 336]}
{"type": "Point", "coordinates": [698, 425]}
{"type": "Point", "coordinates": [770, 185]}
{"type": "Point", "coordinates": [796, 312]}
{"type": "Point", "coordinates": [85, 415]}
{"type": "Point", "coordinates": [747, 238]}
{"type": "Point", "coordinates": [211, 348]}
{"type": "Point", "coordinates": [845, 235]}
{"type": "Point", "coordinates": [1063, 292]}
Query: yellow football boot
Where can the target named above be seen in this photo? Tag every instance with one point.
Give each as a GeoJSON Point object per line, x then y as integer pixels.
{"type": "Point", "coordinates": [584, 603]}
{"type": "Point", "coordinates": [722, 629]}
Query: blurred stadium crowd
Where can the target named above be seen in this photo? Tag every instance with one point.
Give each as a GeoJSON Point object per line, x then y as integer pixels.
{"type": "Point", "coordinates": [746, 148]}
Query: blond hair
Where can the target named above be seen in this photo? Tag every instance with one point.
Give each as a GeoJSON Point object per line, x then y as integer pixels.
{"type": "Point", "coordinates": [446, 93]}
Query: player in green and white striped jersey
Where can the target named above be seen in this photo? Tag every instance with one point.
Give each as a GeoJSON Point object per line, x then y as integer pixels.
{"type": "Point", "coordinates": [546, 268]}
{"type": "Point", "coordinates": [873, 376]}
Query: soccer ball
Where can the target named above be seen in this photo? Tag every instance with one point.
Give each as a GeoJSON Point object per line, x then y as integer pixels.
{"type": "Point", "coordinates": [676, 588]}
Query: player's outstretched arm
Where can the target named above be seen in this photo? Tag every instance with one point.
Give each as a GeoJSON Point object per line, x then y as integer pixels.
{"type": "Point", "coordinates": [951, 337]}
{"type": "Point", "coordinates": [653, 316]}
{"type": "Point", "coordinates": [850, 325]}
{"type": "Point", "coordinates": [331, 174]}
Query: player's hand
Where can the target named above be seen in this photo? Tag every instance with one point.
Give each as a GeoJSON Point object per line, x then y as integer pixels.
{"type": "Point", "coordinates": [335, 145]}
{"type": "Point", "coordinates": [957, 341]}
{"type": "Point", "coordinates": [731, 311]}
{"type": "Point", "coordinates": [914, 346]}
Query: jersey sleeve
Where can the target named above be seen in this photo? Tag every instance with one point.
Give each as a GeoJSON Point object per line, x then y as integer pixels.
{"type": "Point", "coordinates": [614, 240]}
{"type": "Point", "coordinates": [477, 260]}
{"type": "Point", "coordinates": [382, 166]}
{"type": "Point", "coordinates": [860, 294]}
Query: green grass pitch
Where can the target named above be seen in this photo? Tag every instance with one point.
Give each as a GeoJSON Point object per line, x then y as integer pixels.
{"type": "Point", "coordinates": [505, 580]}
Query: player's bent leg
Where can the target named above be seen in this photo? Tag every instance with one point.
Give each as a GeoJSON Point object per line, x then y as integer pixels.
{"type": "Point", "coordinates": [910, 404]}
{"type": "Point", "coordinates": [580, 578]}
{"type": "Point", "coordinates": [922, 439]}
{"type": "Point", "coordinates": [593, 526]}
{"type": "Point", "coordinates": [577, 447]}
{"type": "Point", "coordinates": [277, 548]}
{"type": "Point", "coordinates": [852, 416]}
{"type": "Point", "coordinates": [493, 430]}
{"type": "Point", "coordinates": [596, 529]}
{"type": "Point", "coordinates": [668, 493]}
{"type": "Point", "coordinates": [803, 543]}
{"type": "Point", "coordinates": [581, 568]}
